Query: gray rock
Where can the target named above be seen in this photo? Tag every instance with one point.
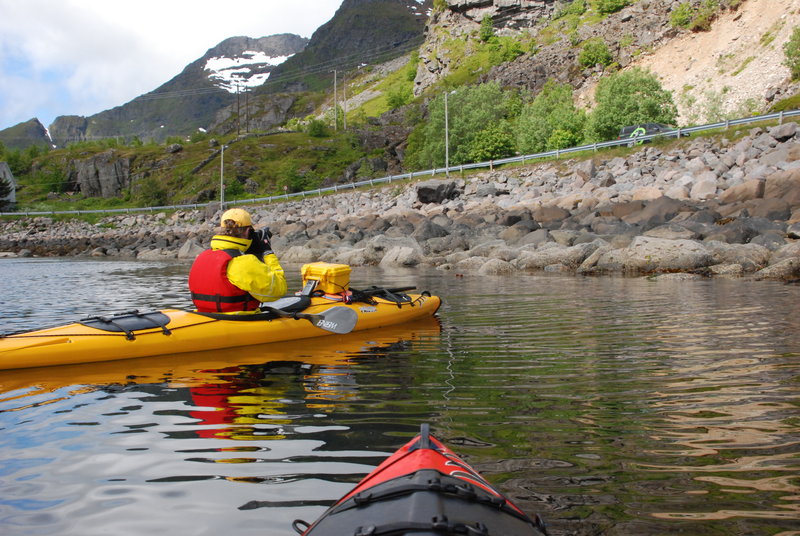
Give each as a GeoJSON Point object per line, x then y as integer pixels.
{"type": "Point", "coordinates": [436, 191]}
{"type": "Point", "coordinates": [553, 253]}
{"type": "Point", "coordinates": [787, 269]}
{"type": "Point", "coordinates": [647, 254]}
{"type": "Point", "coordinates": [401, 256]}
{"type": "Point", "coordinates": [784, 132]}
{"type": "Point", "coordinates": [671, 231]}
{"type": "Point", "coordinates": [538, 237]}
{"type": "Point", "coordinates": [750, 257]}
{"type": "Point", "coordinates": [727, 269]}
{"type": "Point", "coordinates": [496, 267]}
{"type": "Point", "coordinates": [786, 252]}
{"type": "Point", "coordinates": [190, 249]}
{"type": "Point", "coordinates": [427, 230]}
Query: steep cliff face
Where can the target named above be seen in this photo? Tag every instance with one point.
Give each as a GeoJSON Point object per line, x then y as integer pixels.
{"type": "Point", "coordinates": [642, 26]}
{"type": "Point", "coordinates": [360, 32]}
{"type": "Point", "coordinates": [461, 20]}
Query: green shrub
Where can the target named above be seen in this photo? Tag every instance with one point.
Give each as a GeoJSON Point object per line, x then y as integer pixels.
{"type": "Point", "coordinates": [791, 103]}
{"type": "Point", "coordinates": [604, 7]}
{"type": "Point", "coordinates": [411, 67]}
{"type": "Point", "coordinates": [234, 189]}
{"type": "Point", "coordinates": [150, 192]}
{"type": "Point", "coordinates": [439, 6]}
{"type": "Point", "coordinates": [487, 28]}
{"type": "Point", "coordinates": [504, 49]}
{"type": "Point", "coordinates": [595, 52]}
{"type": "Point", "coordinates": [792, 51]}
{"type": "Point", "coordinates": [562, 139]}
{"type": "Point", "coordinates": [198, 136]}
{"type": "Point", "coordinates": [681, 16]}
{"type": "Point", "coordinates": [399, 97]}
{"type": "Point", "coordinates": [317, 129]}
{"type": "Point", "coordinates": [576, 7]}
{"type": "Point", "coordinates": [705, 15]}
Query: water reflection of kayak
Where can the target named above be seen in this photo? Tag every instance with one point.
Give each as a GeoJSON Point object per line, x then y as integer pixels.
{"type": "Point", "coordinates": [171, 331]}
{"type": "Point", "coordinates": [424, 489]}
{"type": "Point", "coordinates": [191, 369]}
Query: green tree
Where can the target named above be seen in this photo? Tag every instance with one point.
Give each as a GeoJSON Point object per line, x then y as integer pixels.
{"type": "Point", "coordinates": [150, 192]}
{"type": "Point", "coordinates": [5, 189]}
{"type": "Point", "coordinates": [471, 109]}
{"type": "Point", "coordinates": [792, 51]}
{"type": "Point", "coordinates": [553, 110]}
{"type": "Point", "coordinates": [289, 176]}
{"type": "Point", "coordinates": [19, 162]}
{"type": "Point", "coordinates": [487, 28]}
{"type": "Point", "coordinates": [627, 98]}
{"type": "Point", "coordinates": [493, 142]}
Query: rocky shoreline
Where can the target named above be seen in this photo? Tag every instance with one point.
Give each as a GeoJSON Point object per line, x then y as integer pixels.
{"type": "Point", "coordinates": [701, 207]}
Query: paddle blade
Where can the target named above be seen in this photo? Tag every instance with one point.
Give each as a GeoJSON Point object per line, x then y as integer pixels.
{"type": "Point", "coordinates": [339, 320]}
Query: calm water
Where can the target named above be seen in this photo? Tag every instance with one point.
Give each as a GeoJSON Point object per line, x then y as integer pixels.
{"type": "Point", "coordinates": [608, 405]}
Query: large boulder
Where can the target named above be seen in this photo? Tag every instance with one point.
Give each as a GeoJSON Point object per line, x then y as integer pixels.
{"type": "Point", "coordinates": [436, 191]}
{"type": "Point", "coordinates": [553, 253]}
{"type": "Point", "coordinates": [647, 254]}
{"type": "Point", "coordinates": [784, 185]}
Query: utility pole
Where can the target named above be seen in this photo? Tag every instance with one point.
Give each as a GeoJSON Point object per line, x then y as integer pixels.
{"type": "Point", "coordinates": [335, 103]}
{"type": "Point", "coordinates": [344, 104]}
{"type": "Point", "coordinates": [238, 111]}
{"type": "Point", "coordinates": [221, 179]}
{"type": "Point", "coordinates": [446, 139]}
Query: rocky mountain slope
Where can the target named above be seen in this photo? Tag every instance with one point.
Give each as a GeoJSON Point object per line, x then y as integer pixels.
{"type": "Point", "coordinates": [204, 95]}
{"type": "Point", "coordinates": [733, 70]}
{"type": "Point", "coordinates": [191, 99]}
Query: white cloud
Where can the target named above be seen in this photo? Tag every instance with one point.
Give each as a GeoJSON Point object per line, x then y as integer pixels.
{"type": "Point", "coordinates": [85, 56]}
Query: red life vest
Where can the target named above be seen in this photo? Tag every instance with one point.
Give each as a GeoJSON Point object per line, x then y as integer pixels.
{"type": "Point", "coordinates": [210, 288]}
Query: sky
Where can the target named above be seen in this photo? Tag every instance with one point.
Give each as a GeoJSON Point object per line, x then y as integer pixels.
{"type": "Point", "coordinates": [80, 57]}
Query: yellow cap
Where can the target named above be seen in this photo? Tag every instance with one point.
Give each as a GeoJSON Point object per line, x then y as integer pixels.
{"type": "Point", "coordinates": [239, 215]}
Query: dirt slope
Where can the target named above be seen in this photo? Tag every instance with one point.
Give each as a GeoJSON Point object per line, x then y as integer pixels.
{"type": "Point", "coordinates": [732, 70]}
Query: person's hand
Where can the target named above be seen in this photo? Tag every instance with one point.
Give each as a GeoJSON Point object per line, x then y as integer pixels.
{"type": "Point", "coordinates": [260, 244]}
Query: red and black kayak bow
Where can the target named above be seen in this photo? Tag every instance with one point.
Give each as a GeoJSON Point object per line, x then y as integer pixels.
{"type": "Point", "coordinates": [423, 489]}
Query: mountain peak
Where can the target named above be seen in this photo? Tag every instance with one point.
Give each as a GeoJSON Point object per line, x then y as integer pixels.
{"type": "Point", "coordinates": [245, 62]}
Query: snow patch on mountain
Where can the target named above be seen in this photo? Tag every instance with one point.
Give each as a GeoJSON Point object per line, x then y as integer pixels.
{"type": "Point", "coordinates": [250, 70]}
{"type": "Point", "coordinates": [418, 10]}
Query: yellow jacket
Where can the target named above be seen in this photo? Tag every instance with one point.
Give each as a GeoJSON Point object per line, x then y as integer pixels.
{"type": "Point", "coordinates": [263, 279]}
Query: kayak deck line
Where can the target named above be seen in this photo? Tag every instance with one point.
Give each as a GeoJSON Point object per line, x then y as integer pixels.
{"type": "Point", "coordinates": [424, 489]}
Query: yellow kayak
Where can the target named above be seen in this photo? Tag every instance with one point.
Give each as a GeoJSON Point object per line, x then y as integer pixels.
{"type": "Point", "coordinates": [173, 331]}
{"type": "Point", "coordinates": [196, 369]}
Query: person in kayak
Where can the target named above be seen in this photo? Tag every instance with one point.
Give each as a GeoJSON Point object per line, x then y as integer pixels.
{"type": "Point", "coordinates": [239, 271]}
